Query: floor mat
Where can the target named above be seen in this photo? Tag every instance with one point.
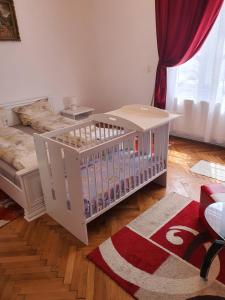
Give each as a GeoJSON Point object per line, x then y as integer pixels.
{"type": "Point", "coordinates": [209, 169]}
{"type": "Point", "coordinates": [9, 210]}
{"type": "Point", "coordinates": [152, 257]}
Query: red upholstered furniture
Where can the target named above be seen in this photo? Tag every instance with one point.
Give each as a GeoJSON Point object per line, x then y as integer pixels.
{"type": "Point", "coordinates": [210, 193]}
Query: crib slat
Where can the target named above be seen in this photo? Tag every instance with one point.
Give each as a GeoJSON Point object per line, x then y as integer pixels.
{"type": "Point", "coordinates": [90, 135]}
{"type": "Point", "coordinates": [95, 183]}
{"type": "Point", "coordinates": [119, 184]}
{"type": "Point", "coordinates": [166, 143]}
{"type": "Point", "coordinates": [152, 154]}
{"type": "Point", "coordinates": [159, 149]}
{"type": "Point", "coordinates": [124, 167]}
{"type": "Point", "coordinates": [85, 134]}
{"type": "Point", "coordinates": [156, 150]}
{"type": "Point", "coordinates": [104, 130]}
{"type": "Point", "coordinates": [102, 185]}
{"type": "Point", "coordinates": [147, 144]}
{"type": "Point", "coordinates": [134, 159]}
{"type": "Point", "coordinates": [144, 156]}
{"type": "Point", "coordinates": [107, 175]}
{"type": "Point", "coordinates": [160, 141]}
{"type": "Point", "coordinates": [129, 163]}
{"type": "Point", "coordinates": [88, 185]}
{"type": "Point", "coordinates": [114, 173]}
{"type": "Point", "coordinates": [139, 160]}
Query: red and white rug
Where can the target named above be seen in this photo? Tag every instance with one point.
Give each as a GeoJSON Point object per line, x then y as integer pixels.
{"type": "Point", "coordinates": [158, 255]}
{"type": "Point", "coordinates": [9, 210]}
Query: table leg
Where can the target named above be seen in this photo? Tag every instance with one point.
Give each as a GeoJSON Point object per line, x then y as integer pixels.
{"type": "Point", "coordinates": [200, 239]}
{"type": "Point", "coordinates": [209, 257]}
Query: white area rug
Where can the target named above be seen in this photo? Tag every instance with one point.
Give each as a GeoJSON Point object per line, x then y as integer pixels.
{"type": "Point", "coordinates": [209, 169]}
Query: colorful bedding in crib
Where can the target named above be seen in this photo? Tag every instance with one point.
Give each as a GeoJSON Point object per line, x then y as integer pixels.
{"type": "Point", "coordinates": [110, 177]}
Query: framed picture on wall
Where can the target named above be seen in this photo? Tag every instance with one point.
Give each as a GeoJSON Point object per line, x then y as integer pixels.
{"type": "Point", "coordinates": [8, 24]}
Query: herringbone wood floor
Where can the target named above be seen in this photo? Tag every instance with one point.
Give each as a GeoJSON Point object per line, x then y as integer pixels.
{"type": "Point", "coordinates": [41, 260]}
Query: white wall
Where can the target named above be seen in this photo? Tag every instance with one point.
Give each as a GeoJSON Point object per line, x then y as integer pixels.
{"type": "Point", "coordinates": [124, 54]}
{"type": "Point", "coordinates": [99, 50]}
{"type": "Point", "coordinates": [51, 58]}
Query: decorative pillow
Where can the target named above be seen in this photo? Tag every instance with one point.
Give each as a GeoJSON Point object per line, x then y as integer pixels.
{"type": "Point", "coordinates": [2, 117]}
{"type": "Point", "coordinates": [27, 112]}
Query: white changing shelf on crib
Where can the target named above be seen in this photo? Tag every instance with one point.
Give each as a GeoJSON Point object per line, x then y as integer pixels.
{"type": "Point", "coordinates": [143, 117]}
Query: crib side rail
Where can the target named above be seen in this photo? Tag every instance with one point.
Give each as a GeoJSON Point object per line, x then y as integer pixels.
{"type": "Point", "coordinates": [96, 148]}
{"type": "Point", "coordinates": [87, 135]}
{"type": "Point", "coordinates": [121, 166]}
{"type": "Point", "coordinates": [116, 121]}
{"type": "Point", "coordinates": [61, 131]}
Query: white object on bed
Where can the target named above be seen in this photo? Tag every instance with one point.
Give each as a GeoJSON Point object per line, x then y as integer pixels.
{"type": "Point", "coordinates": [209, 169]}
{"type": "Point", "coordinates": [123, 155]}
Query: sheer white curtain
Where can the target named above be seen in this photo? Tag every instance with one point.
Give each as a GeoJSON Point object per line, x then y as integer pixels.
{"type": "Point", "coordinates": [196, 89]}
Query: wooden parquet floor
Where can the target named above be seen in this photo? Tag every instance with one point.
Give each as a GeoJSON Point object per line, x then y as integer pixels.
{"type": "Point", "coordinates": [42, 261]}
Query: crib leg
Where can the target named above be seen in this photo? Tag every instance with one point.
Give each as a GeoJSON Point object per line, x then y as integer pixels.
{"type": "Point", "coordinates": [161, 180]}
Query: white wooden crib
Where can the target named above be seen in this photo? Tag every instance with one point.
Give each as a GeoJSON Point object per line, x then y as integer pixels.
{"type": "Point", "coordinates": [87, 169]}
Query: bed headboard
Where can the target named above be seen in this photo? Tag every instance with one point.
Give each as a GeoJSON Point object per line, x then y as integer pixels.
{"type": "Point", "coordinates": [11, 117]}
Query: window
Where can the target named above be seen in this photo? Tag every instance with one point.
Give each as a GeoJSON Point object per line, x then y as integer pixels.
{"type": "Point", "coordinates": [196, 90]}
{"type": "Point", "coordinates": [203, 77]}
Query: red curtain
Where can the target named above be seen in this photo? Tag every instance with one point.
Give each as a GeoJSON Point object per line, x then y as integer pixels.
{"type": "Point", "coordinates": [182, 26]}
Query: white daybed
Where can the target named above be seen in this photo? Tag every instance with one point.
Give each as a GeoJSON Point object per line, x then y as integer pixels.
{"type": "Point", "coordinates": [22, 186]}
{"type": "Point", "coordinates": [83, 180]}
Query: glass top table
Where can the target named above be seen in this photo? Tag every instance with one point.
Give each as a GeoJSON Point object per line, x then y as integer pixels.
{"type": "Point", "coordinates": [215, 217]}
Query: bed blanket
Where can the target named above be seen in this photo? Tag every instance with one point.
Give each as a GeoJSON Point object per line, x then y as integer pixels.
{"type": "Point", "coordinates": [53, 122]}
{"type": "Point", "coordinates": [50, 122]}
{"type": "Point", "coordinates": [17, 148]}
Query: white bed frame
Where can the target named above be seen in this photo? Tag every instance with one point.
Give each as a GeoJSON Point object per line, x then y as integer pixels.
{"type": "Point", "coordinates": [29, 193]}
{"type": "Point", "coordinates": [60, 163]}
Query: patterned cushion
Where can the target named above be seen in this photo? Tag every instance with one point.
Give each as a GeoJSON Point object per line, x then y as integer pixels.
{"type": "Point", "coordinates": [26, 113]}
